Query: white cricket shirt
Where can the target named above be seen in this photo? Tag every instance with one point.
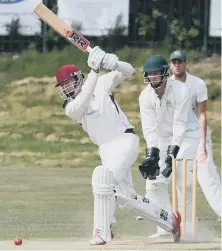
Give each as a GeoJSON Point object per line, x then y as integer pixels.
{"type": "Point", "coordinates": [198, 93]}
{"type": "Point", "coordinates": [165, 117]}
{"type": "Point", "coordinates": [94, 109]}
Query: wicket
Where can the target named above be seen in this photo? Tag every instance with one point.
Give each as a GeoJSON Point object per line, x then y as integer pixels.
{"type": "Point", "coordinates": [184, 183]}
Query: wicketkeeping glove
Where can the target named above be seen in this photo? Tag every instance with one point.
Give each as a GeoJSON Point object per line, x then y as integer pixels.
{"type": "Point", "coordinates": [172, 150]}
{"type": "Point", "coordinates": [149, 168]}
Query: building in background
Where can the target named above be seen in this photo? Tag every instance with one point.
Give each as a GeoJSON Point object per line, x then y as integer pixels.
{"type": "Point", "coordinates": [22, 10]}
{"type": "Point", "coordinates": [136, 23]}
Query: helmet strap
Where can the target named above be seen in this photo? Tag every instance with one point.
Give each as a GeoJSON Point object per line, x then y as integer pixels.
{"type": "Point", "coordinates": [156, 86]}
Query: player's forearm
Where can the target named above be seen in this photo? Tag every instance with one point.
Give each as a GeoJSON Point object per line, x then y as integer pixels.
{"type": "Point", "coordinates": [178, 136]}
{"type": "Point", "coordinates": [125, 69]}
{"type": "Point", "coordinates": [181, 118]}
{"type": "Point", "coordinates": [90, 84]}
{"type": "Point", "coordinates": [151, 140]}
{"type": "Point", "coordinates": [179, 130]}
{"type": "Point", "coordinates": [76, 106]}
{"type": "Point", "coordinates": [149, 130]}
{"type": "Point", "coordinates": [203, 127]}
{"type": "Point", "coordinates": [113, 78]}
{"type": "Point", "coordinates": [148, 121]}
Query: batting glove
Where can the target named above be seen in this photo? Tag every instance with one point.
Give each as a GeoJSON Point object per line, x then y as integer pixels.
{"type": "Point", "coordinates": [110, 62]}
{"type": "Point", "coordinates": [95, 58]}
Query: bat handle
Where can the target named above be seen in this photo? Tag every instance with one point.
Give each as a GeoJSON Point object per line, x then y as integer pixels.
{"type": "Point", "coordinates": [89, 49]}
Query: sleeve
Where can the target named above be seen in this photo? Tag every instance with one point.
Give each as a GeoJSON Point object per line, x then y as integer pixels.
{"type": "Point", "coordinates": [126, 69]}
{"type": "Point", "coordinates": [183, 104]}
{"type": "Point", "coordinates": [149, 121]}
{"type": "Point", "coordinates": [202, 92]}
{"type": "Point", "coordinates": [75, 108]}
{"type": "Point", "coordinates": [109, 81]}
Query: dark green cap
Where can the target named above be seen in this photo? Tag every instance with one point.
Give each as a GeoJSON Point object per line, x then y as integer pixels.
{"type": "Point", "coordinates": [155, 63]}
{"type": "Point", "coordinates": [178, 55]}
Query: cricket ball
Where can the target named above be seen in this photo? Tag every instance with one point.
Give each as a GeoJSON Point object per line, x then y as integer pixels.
{"type": "Point", "coordinates": [18, 241]}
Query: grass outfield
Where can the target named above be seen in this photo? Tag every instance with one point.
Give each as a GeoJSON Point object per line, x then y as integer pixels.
{"type": "Point", "coordinates": [49, 205]}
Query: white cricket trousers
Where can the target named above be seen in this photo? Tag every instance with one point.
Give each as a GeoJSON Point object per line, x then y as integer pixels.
{"type": "Point", "coordinates": [208, 177]}
{"type": "Point", "coordinates": [114, 174]}
{"type": "Point", "coordinates": [119, 155]}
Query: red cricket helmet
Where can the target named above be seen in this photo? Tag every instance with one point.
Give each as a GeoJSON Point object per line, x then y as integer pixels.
{"type": "Point", "coordinates": [69, 80]}
{"type": "Point", "coordinates": [66, 72]}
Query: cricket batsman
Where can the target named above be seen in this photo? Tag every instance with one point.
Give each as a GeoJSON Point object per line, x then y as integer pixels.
{"type": "Point", "coordinates": [91, 104]}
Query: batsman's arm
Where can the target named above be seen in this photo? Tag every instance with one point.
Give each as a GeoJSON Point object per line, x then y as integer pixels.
{"type": "Point", "coordinates": [75, 108]}
{"type": "Point", "coordinates": [110, 80]}
{"type": "Point", "coordinates": [107, 82]}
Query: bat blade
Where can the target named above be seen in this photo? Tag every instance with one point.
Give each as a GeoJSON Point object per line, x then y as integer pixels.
{"type": "Point", "coordinates": [63, 29]}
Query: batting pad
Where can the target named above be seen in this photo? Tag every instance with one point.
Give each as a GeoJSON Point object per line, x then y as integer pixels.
{"type": "Point", "coordinates": [104, 202]}
{"type": "Point", "coordinates": [143, 206]}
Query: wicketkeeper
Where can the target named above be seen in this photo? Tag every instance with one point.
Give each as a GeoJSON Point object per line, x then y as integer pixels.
{"type": "Point", "coordinates": [164, 109]}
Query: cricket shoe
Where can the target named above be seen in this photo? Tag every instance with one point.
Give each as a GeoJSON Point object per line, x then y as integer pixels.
{"type": "Point", "coordinates": [97, 240]}
{"type": "Point", "coordinates": [176, 231]}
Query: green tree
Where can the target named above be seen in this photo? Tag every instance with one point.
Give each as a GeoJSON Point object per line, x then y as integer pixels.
{"type": "Point", "coordinates": [13, 28]}
{"type": "Point", "coordinates": [15, 39]}
{"type": "Point", "coordinates": [181, 36]}
{"type": "Point", "coordinates": [148, 24]}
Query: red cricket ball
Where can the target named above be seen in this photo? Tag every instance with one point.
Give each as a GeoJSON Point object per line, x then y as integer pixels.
{"type": "Point", "coordinates": [18, 241]}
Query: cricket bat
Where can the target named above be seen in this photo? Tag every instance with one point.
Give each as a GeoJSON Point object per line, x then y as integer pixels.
{"type": "Point", "coordinates": [63, 29]}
